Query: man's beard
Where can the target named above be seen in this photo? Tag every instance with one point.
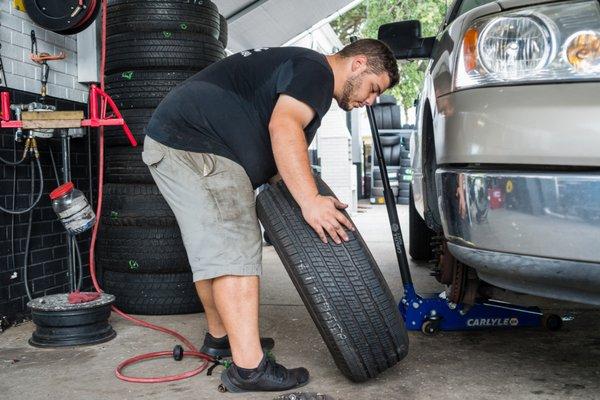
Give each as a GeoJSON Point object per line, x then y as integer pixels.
{"type": "Point", "coordinates": [349, 87]}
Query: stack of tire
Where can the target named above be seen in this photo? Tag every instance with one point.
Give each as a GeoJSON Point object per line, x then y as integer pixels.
{"type": "Point", "coordinates": [394, 140]}
{"type": "Point", "coordinates": [387, 113]}
{"type": "Point", "coordinates": [405, 174]}
{"type": "Point", "coordinates": [152, 46]}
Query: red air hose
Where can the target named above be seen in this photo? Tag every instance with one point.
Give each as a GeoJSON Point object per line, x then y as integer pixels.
{"type": "Point", "coordinates": [191, 350]}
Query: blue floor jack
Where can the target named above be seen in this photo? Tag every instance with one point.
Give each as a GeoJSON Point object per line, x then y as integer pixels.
{"type": "Point", "coordinates": [437, 313]}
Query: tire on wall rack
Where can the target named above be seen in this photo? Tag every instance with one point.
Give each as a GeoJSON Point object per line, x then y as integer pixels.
{"type": "Point", "coordinates": [153, 294]}
{"type": "Point", "coordinates": [129, 204]}
{"type": "Point", "coordinates": [125, 165]}
{"type": "Point", "coordinates": [341, 286]}
{"type": "Point", "coordinates": [387, 116]}
{"type": "Point", "coordinates": [160, 15]}
{"type": "Point", "coordinates": [141, 249]}
{"type": "Point", "coordinates": [147, 50]}
{"type": "Point", "coordinates": [142, 89]}
{"type": "Point", "coordinates": [136, 120]}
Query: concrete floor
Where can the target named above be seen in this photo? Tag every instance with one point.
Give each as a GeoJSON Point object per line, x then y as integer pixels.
{"type": "Point", "coordinates": [521, 364]}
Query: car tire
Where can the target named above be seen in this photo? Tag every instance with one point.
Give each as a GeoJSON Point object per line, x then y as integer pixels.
{"type": "Point", "coordinates": [223, 31]}
{"type": "Point", "coordinates": [420, 236]}
{"type": "Point", "coordinates": [396, 121]}
{"type": "Point", "coordinates": [153, 294]}
{"type": "Point", "coordinates": [404, 193]}
{"type": "Point", "coordinates": [149, 50]}
{"type": "Point", "coordinates": [401, 200]}
{"type": "Point", "coordinates": [157, 15]}
{"type": "Point", "coordinates": [341, 286]}
{"type": "Point", "coordinates": [135, 205]}
{"type": "Point", "coordinates": [380, 191]}
{"type": "Point", "coordinates": [387, 116]}
{"type": "Point", "coordinates": [143, 89]}
{"type": "Point", "coordinates": [141, 249]}
{"type": "Point", "coordinates": [136, 120]}
{"type": "Point", "coordinates": [404, 185]}
{"type": "Point", "coordinates": [125, 165]}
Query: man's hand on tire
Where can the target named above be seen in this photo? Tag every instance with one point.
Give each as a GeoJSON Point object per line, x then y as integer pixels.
{"type": "Point", "coordinates": [323, 214]}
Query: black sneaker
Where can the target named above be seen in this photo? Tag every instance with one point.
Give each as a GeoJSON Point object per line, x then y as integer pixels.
{"type": "Point", "coordinates": [220, 347]}
{"type": "Point", "coordinates": [268, 376]}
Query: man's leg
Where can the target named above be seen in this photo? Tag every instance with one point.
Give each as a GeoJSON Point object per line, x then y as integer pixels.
{"type": "Point", "coordinates": [213, 320]}
{"type": "Point", "coordinates": [222, 242]}
{"type": "Point", "coordinates": [236, 299]}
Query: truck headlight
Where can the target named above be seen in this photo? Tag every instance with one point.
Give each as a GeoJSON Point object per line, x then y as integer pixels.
{"type": "Point", "coordinates": [513, 47]}
{"type": "Point", "coordinates": [538, 43]}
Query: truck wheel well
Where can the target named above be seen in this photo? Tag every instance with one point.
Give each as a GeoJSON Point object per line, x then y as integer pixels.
{"type": "Point", "coordinates": [432, 213]}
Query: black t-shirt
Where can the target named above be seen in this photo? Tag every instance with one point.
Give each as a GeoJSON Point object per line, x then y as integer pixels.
{"type": "Point", "coordinates": [225, 109]}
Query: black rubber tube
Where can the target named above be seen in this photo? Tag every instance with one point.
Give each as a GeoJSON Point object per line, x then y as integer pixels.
{"type": "Point", "coordinates": [14, 163]}
{"type": "Point", "coordinates": [12, 217]}
{"type": "Point", "coordinates": [80, 266]}
{"type": "Point", "coordinates": [39, 196]}
{"type": "Point", "coordinates": [25, 258]}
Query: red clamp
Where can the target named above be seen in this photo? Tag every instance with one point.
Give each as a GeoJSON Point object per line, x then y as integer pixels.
{"type": "Point", "coordinates": [97, 99]}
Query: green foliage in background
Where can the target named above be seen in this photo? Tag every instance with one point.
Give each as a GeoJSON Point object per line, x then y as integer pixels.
{"type": "Point", "coordinates": [364, 21]}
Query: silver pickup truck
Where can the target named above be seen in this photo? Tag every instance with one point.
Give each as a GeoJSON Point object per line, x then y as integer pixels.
{"type": "Point", "coordinates": [506, 157]}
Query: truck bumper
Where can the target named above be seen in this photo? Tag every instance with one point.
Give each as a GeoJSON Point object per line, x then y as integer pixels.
{"type": "Point", "coordinates": [535, 233]}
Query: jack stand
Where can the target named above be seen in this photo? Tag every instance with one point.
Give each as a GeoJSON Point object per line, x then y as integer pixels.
{"type": "Point", "coordinates": [435, 313]}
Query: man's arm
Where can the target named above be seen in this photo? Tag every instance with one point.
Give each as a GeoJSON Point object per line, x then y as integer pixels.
{"type": "Point", "coordinates": [286, 128]}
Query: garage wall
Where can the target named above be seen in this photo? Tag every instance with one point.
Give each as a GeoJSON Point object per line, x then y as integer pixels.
{"type": "Point", "coordinates": [22, 73]}
{"type": "Point", "coordinates": [48, 251]}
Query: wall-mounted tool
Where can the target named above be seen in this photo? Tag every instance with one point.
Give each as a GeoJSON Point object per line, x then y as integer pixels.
{"type": "Point", "coordinates": [66, 17]}
{"type": "Point", "coordinates": [42, 59]}
{"type": "Point", "coordinates": [99, 102]}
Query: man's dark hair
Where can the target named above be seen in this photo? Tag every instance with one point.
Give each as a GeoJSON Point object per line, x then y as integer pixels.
{"type": "Point", "coordinates": [379, 57]}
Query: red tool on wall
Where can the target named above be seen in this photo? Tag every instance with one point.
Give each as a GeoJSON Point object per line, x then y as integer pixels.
{"type": "Point", "coordinates": [98, 102]}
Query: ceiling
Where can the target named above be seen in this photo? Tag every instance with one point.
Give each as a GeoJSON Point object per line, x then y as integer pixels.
{"type": "Point", "coordinates": [257, 23]}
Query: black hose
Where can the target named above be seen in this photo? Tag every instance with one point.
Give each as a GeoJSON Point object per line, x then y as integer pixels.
{"type": "Point", "coordinates": [39, 196]}
{"type": "Point", "coordinates": [80, 268]}
{"type": "Point", "coordinates": [14, 204]}
{"type": "Point", "coordinates": [14, 162]}
{"type": "Point", "coordinates": [29, 223]}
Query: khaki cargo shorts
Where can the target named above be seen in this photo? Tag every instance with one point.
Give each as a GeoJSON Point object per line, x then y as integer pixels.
{"type": "Point", "coordinates": [213, 201]}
